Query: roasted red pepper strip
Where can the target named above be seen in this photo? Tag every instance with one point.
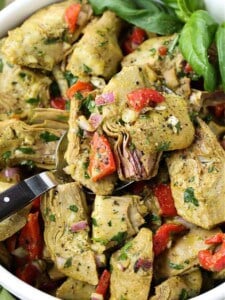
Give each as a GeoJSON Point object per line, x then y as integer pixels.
{"type": "Point", "coordinates": [210, 261]}
{"type": "Point", "coordinates": [143, 97]}
{"type": "Point", "coordinates": [163, 235]}
{"type": "Point", "coordinates": [103, 283]}
{"type": "Point", "coordinates": [134, 39]}
{"type": "Point", "coordinates": [102, 162]}
{"type": "Point", "coordinates": [71, 16]}
{"type": "Point", "coordinates": [31, 238]}
{"type": "Point", "coordinates": [28, 273]}
{"type": "Point", "coordinates": [58, 103]}
{"type": "Point", "coordinates": [80, 86]}
{"type": "Point", "coordinates": [164, 196]}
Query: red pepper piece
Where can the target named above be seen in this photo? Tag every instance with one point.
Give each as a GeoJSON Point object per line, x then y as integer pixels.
{"type": "Point", "coordinates": [219, 110]}
{"type": "Point", "coordinates": [210, 261]}
{"type": "Point", "coordinates": [188, 68]}
{"type": "Point", "coordinates": [134, 39]}
{"type": "Point", "coordinates": [28, 273]}
{"type": "Point", "coordinates": [163, 236]}
{"type": "Point", "coordinates": [79, 86]}
{"type": "Point", "coordinates": [31, 238]}
{"type": "Point", "coordinates": [103, 283]}
{"type": "Point", "coordinates": [102, 162]}
{"type": "Point", "coordinates": [143, 97]}
{"type": "Point", "coordinates": [71, 16]}
{"type": "Point", "coordinates": [58, 103]}
{"type": "Point", "coordinates": [164, 196]}
{"type": "Point", "coordinates": [11, 243]}
{"type": "Point", "coordinates": [163, 50]}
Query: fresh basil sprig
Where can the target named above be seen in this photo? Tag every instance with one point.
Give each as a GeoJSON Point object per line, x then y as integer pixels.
{"type": "Point", "coordinates": [220, 44]}
{"type": "Point", "coordinates": [148, 15]}
{"type": "Point", "coordinates": [195, 38]}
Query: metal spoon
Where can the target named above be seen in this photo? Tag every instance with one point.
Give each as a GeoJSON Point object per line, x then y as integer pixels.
{"type": "Point", "coordinates": [21, 194]}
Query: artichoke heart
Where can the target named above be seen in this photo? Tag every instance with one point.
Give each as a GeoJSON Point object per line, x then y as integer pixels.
{"type": "Point", "coordinates": [66, 232]}
{"type": "Point", "coordinates": [44, 39]}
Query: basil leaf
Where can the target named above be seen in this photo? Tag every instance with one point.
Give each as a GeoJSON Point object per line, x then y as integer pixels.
{"type": "Point", "coordinates": [220, 43]}
{"type": "Point", "coordinates": [187, 7]}
{"type": "Point", "coordinates": [153, 20]}
{"type": "Point", "coordinates": [189, 196]}
{"type": "Point", "coordinates": [195, 39]}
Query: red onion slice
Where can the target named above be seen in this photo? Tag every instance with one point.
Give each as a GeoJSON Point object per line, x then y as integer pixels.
{"type": "Point", "coordinates": [104, 99]}
{"type": "Point", "coordinates": [95, 120]}
{"type": "Point", "coordinates": [81, 225]}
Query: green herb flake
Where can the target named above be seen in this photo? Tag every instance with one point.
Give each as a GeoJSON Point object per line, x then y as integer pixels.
{"type": "Point", "coordinates": [48, 137]}
{"type": "Point", "coordinates": [33, 101]}
{"type": "Point", "coordinates": [6, 155]}
{"type": "Point", "coordinates": [110, 223]}
{"type": "Point", "coordinates": [28, 163]}
{"type": "Point", "coordinates": [176, 266]}
{"type": "Point", "coordinates": [68, 262]}
{"type": "Point", "coordinates": [123, 256]}
{"type": "Point", "coordinates": [94, 222]}
{"type": "Point", "coordinates": [86, 69]}
{"type": "Point", "coordinates": [212, 169]}
{"type": "Point", "coordinates": [152, 51]}
{"type": "Point", "coordinates": [22, 75]}
{"type": "Point", "coordinates": [26, 150]}
{"type": "Point", "coordinates": [88, 105]}
{"type": "Point", "coordinates": [183, 295]}
{"type": "Point", "coordinates": [70, 78]}
{"type": "Point", "coordinates": [52, 218]}
{"type": "Point", "coordinates": [189, 196]}
{"type": "Point", "coordinates": [52, 40]}
{"type": "Point", "coordinates": [1, 65]}
{"type": "Point", "coordinates": [119, 237]}
{"type": "Point", "coordinates": [73, 208]}
{"type": "Point", "coordinates": [163, 146]}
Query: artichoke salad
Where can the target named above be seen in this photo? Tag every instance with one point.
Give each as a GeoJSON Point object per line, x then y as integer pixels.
{"type": "Point", "coordinates": [139, 88]}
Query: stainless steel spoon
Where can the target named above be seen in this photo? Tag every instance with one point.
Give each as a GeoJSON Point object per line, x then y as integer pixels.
{"type": "Point", "coordinates": [21, 194]}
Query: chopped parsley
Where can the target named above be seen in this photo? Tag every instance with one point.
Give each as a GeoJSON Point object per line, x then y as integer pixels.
{"type": "Point", "coordinates": [176, 266]}
{"type": "Point", "coordinates": [163, 146]}
{"type": "Point", "coordinates": [119, 237]}
{"type": "Point", "coordinates": [22, 75]}
{"type": "Point", "coordinates": [189, 196]}
{"type": "Point", "coordinates": [68, 262]}
{"type": "Point", "coordinates": [52, 40]}
{"type": "Point", "coordinates": [152, 51]}
{"type": "Point", "coordinates": [94, 222]}
{"type": "Point", "coordinates": [87, 69]}
{"type": "Point", "coordinates": [6, 155]}
{"type": "Point", "coordinates": [26, 150]}
{"type": "Point", "coordinates": [33, 101]}
{"type": "Point", "coordinates": [123, 256]}
{"type": "Point", "coordinates": [48, 137]}
{"type": "Point", "coordinates": [110, 223]}
{"type": "Point", "coordinates": [1, 65]}
{"type": "Point", "coordinates": [52, 218]}
{"type": "Point", "coordinates": [73, 208]}
{"type": "Point", "coordinates": [183, 295]}
{"type": "Point", "coordinates": [211, 169]}
{"type": "Point", "coordinates": [70, 78]}
{"type": "Point", "coordinates": [88, 105]}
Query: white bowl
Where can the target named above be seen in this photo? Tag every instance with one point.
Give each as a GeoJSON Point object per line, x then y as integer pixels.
{"type": "Point", "coordinates": [12, 16]}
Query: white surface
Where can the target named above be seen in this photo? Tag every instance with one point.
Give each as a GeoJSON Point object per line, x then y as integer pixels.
{"type": "Point", "coordinates": [11, 16]}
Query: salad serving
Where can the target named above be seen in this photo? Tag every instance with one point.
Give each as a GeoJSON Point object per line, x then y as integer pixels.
{"type": "Point", "coordinates": [138, 86]}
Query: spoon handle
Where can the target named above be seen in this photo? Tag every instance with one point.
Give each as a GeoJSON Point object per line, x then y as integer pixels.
{"type": "Point", "coordinates": [21, 194]}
